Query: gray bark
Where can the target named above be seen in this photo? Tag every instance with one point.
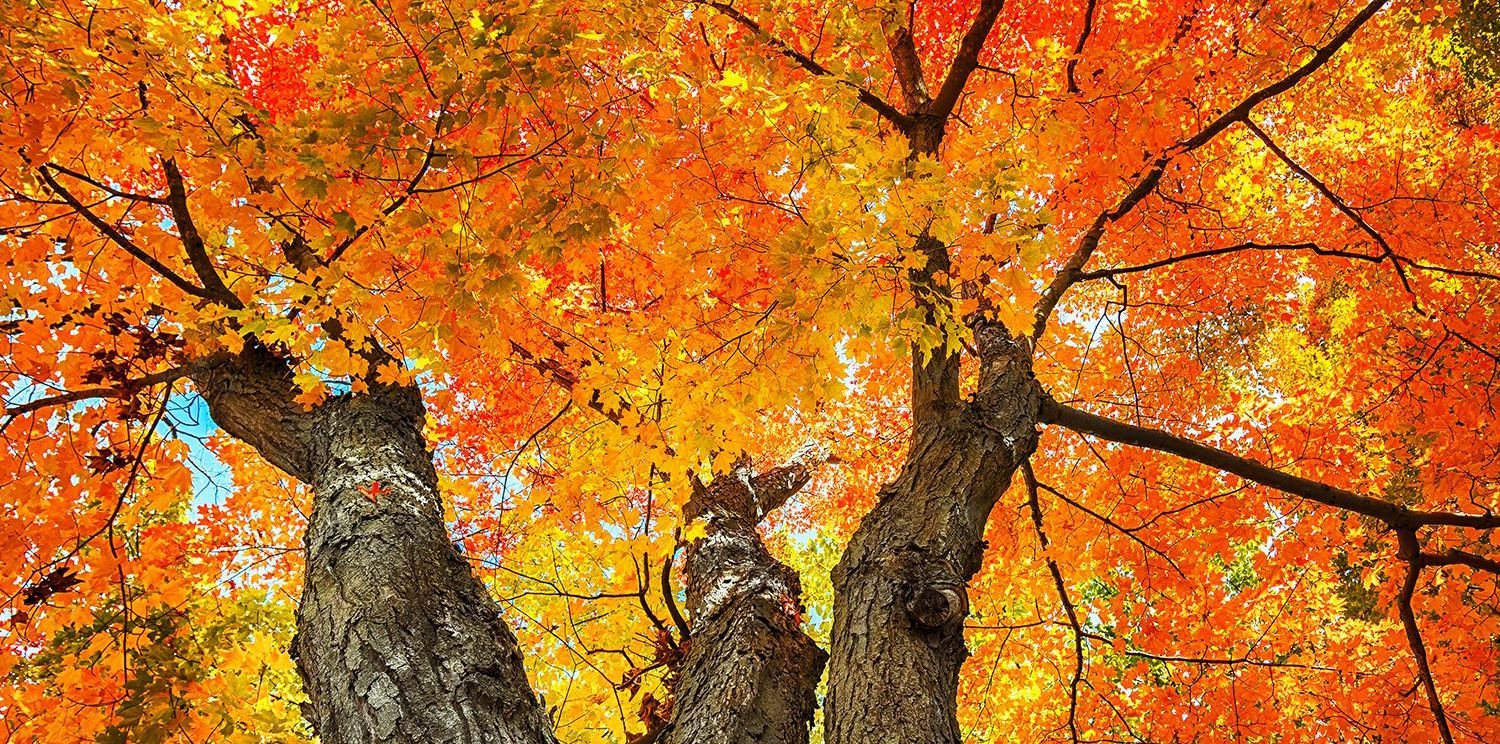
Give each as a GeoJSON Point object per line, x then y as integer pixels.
{"type": "Point", "coordinates": [397, 641]}
{"type": "Point", "coordinates": [751, 674]}
{"type": "Point", "coordinates": [900, 589]}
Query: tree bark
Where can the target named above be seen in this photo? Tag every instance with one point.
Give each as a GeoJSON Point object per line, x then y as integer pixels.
{"type": "Point", "coordinates": [751, 674]}
{"type": "Point", "coordinates": [900, 589]}
{"type": "Point", "coordinates": [397, 641]}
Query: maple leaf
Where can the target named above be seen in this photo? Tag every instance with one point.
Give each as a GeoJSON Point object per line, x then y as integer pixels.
{"type": "Point", "coordinates": [373, 491]}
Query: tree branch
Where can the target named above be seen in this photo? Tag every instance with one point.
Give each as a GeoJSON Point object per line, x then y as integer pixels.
{"type": "Point", "coordinates": [111, 232]}
{"type": "Point", "coordinates": [773, 487]}
{"type": "Point", "coordinates": [123, 390]}
{"type": "Point", "coordinates": [1083, 38]}
{"type": "Point", "coordinates": [1244, 660]}
{"type": "Point", "coordinates": [967, 58]}
{"type": "Point", "coordinates": [1247, 246]}
{"type": "Point", "coordinates": [252, 396]}
{"type": "Point", "coordinates": [192, 240]}
{"type": "Point", "coordinates": [1395, 515]}
{"type": "Point", "coordinates": [413, 183]}
{"type": "Point", "coordinates": [935, 380]}
{"type": "Point", "coordinates": [1069, 274]}
{"type": "Point", "coordinates": [476, 178]}
{"type": "Point", "coordinates": [1456, 557]}
{"type": "Point", "coordinates": [908, 65]}
{"type": "Point", "coordinates": [1126, 531]}
{"type": "Point", "coordinates": [1304, 246]}
{"type": "Point", "coordinates": [1222, 660]}
{"type": "Point", "coordinates": [1062, 595]}
{"type": "Point", "coordinates": [106, 188]}
{"type": "Point", "coordinates": [878, 104]}
{"type": "Point", "coordinates": [669, 598]}
{"type": "Point", "coordinates": [1411, 552]}
{"type": "Point", "coordinates": [1322, 188]}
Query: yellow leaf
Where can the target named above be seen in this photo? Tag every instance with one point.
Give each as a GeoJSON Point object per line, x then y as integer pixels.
{"type": "Point", "coordinates": [695, 530]}
{"type": "Point", "coordinates": [733, 79]}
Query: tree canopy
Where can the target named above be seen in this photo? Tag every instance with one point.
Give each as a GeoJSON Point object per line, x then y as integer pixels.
{"type": "Point", "coordinates": [1218, 281]}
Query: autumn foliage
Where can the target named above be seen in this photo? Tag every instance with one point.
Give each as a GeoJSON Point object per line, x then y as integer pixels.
{"type": "Point", "coordinates": [622, 247]}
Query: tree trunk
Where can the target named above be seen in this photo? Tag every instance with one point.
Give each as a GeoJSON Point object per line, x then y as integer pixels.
{"type": "Point", "coordinates": [396, 639]}
{"type": "Point", "coordinates": [751, 674]}
{"type": "Point", "coordinates": [900, 589]}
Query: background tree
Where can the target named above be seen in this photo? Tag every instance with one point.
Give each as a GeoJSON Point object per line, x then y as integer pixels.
{"type": "Point", "coordinates": [199, 195]}
{"type": "Point", "coordinates": [1217, 279]}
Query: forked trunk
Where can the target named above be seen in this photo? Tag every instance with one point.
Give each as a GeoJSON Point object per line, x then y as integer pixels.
{"type": "Point", "coordinates": [900, 589]}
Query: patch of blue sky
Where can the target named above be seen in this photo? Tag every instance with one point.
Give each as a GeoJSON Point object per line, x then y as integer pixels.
{"type": "Point", "coordinates": [187, 420]}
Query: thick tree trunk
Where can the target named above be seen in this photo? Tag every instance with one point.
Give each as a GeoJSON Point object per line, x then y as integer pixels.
{"type": "Point", "coordinates": [397, 641]}
{"type": "Point", "coordinates": [900, 589]}
{"type": "Point", "coordinates": [751, 674]}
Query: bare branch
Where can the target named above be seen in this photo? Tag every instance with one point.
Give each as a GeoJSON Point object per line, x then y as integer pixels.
{"type": "Point", "coordinates": [412, 185]}
{"type": "Point", "coordinates": [1395, 515]}
{"type": "Point", "coordinates": [106, 188]}
{"type": "Point", "coordinates": [192, 240]}
{"type": "Point", "coordinates": [1243, 660]}
{"type": "Point", "coordinates": [669, 597]}
{"type": "Point", "coordinates": [1468, 273]}
{"type": "Point", "coordinates": [1222, 660]}
{"type": "Point", "coordinates": [643, 584]}
{"type": "Point", "coordinates": [1062, 595]}
{"type": "Point", "coordinates": [124, 390]}
{"type": "Point", "coordinates": [1411, 552]}
{"type": "Point", "coordinates": [908, 65]}
{"type": "Point", "coordinates": [1209, 252]}
{"type": "Point", "coordinates": [1126, 531]}
{"type": "Point", "coordinates": [119, 239]}
{"type": "Point", "coordinates": [1083, 38]}
{"type": "Point", "coordinates": [1148, 180]}
{"type": "Point", "coordinates": [773, 487]}
{"type": "Point", "coordinates": [967, 58]}
{"type": "Point", "coordinates": [1322, 188]}
{"type": "Point", "coordinates": [1303, 246]}
{"type": "Point", "coordinates": [482, 176]}
{"type": "Point", "coordinates": [1456, 557]}
{"type": "Point", "coordinates": [878, 104]}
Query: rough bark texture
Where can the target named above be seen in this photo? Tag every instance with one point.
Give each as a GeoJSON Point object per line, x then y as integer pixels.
{"type": "Point", "coordinates": [900, 594]}
{"type": "Point", "coordinates": [396, 639]}
{"type": "Point", "coordinates": [900, 589]}
{"type": "Point", "coordinates": [751, 674]}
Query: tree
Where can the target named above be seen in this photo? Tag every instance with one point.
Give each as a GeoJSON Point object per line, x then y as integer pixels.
{"type": "Point", "coordinates": [1143, 354]}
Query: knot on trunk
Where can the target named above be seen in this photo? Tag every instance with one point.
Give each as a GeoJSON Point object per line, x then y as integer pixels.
{"type": "Point", "coordinates": [937, 605]}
